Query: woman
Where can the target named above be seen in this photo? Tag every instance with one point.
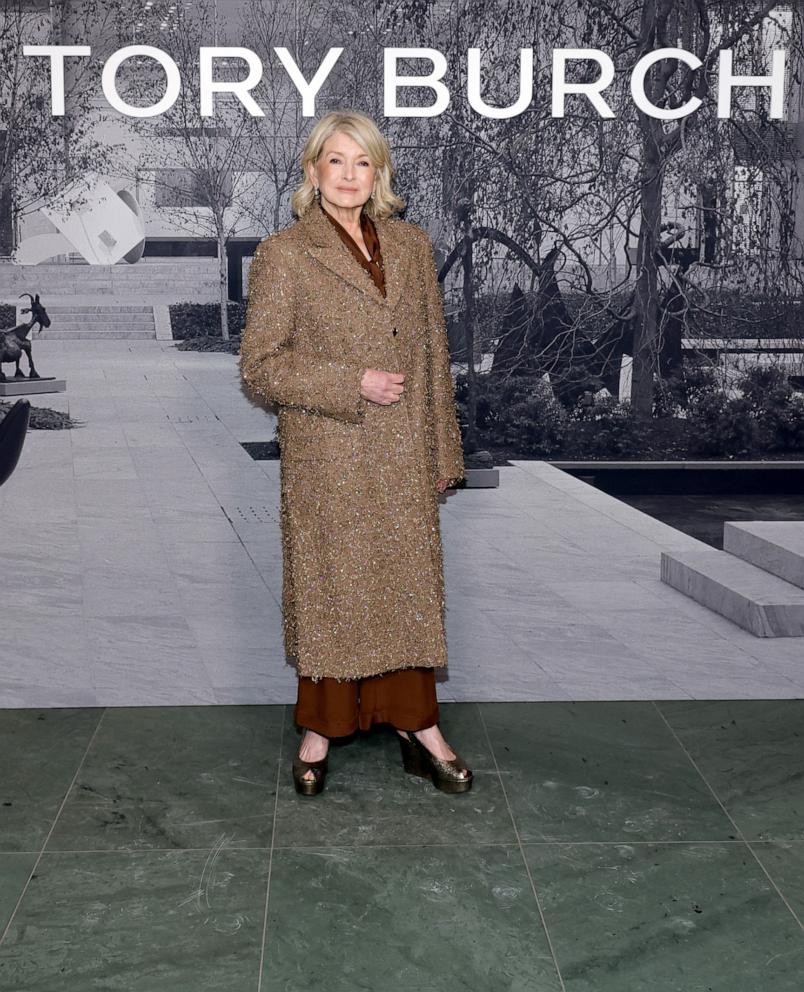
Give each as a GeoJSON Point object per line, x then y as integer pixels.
{"type": "Point", "coordinates": [345, 333]}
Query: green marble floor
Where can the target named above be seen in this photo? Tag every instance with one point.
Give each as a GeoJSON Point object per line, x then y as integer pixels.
{"type": "Point", "coordinates": [604, 847]}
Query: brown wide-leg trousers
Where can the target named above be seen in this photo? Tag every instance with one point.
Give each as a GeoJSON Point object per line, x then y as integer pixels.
{"type": "Point", "coordinates": [405, 698]}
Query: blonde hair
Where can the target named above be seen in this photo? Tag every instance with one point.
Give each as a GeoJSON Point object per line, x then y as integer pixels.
{"type": "Point", "coordinates": [365, 132]}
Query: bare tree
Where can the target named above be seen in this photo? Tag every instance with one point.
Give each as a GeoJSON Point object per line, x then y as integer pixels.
{"type": "Point", "coordinates": [570, 194]}
{"type": "Point", "coordinates": [277, 138]}
{"type": "Point", "coordinates": [201, 168]}
{"type": "Point", "coordinates": [670, 84]}
{"type": "Point", "coordinates": [41, 154]}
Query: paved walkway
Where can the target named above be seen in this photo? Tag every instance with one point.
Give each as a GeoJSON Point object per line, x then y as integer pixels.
{"type": "Point", "coordinates": [141, 563]}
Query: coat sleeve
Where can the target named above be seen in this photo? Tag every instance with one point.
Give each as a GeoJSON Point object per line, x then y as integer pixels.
{"type": "Point", "coordinates": [270, 362]}
{"type": "Point", "coordinates": [440, 389]}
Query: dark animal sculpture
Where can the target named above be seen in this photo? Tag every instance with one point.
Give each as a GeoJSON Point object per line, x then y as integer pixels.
{"type": "Point", "coordinates": [14, 341]}
{"type": "Point", "coordinates": [540, 337]}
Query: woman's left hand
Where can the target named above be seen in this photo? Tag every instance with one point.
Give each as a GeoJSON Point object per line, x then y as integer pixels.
{"type": "Point", "coordinates": [441, 484]}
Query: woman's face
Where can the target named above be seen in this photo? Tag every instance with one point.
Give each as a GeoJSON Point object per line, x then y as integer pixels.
{"type": "Point", "coordinates": [343, 172]}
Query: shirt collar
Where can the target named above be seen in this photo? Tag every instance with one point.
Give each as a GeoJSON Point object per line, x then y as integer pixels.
{"type": "Point", "coordinates": [366, 226]}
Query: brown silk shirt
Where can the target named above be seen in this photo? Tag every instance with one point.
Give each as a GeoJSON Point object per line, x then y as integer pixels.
{"type": "Point", "coordinates": [373, 267]}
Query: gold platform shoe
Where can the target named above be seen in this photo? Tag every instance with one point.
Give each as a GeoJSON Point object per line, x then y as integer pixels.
{"type": "Point", "coordinates": [310, 786]}
{"type": "Point", "coordinates": [445, 773]}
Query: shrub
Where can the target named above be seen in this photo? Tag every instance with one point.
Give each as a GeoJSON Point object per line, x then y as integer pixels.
{"type": "Point", "coordinates": [778, 410]}
{"type": "Point", "coordinates": [722, 426]}
{"type": "Point", "coordinates": [43, 418]}
{"type": "Point", "coordinates": [198, 320]}
{"type": "Point", "coordinates": [538, 423]}
{"type": "Point", "coordinates": [672, 395]}
{"type": "Point", "coordinates": [516, 412]}
{"type": "Point", "coordinates": [605, 429]}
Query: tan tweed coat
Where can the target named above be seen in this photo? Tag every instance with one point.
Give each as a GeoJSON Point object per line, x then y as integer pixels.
{"type": "Point", "coordinates": [362, 587]}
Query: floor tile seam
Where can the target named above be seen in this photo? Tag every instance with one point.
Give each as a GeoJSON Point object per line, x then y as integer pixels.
{"type": "Point", "coordinates": [515, 646]}
{"type": "Point", "coordinates": [756, 644]}
{"type": "Point", "coordinates": [460, 845]}
{"type": "Point", "coordinates": [796, 917]}
{"type": "Point", "coordinates": [271, 850]}
{"type": "Point", "coordinates": [264, 584]}
{"type": "Point", "coordinates": [659, 611]}
{"type": "Point", "coordinates": [534, 890]}
{"type": "Point", "coordinates": [651, 588]}
{"type": "Point", "coordinates": [621, 842]}
{"type": "Point", "coordinates": [736, 645]}
{"type": "Point", "coordinates": [592, 620]}
{"type": "Point", "coordinates": [74, 479]}
{"type": "Point", "coordinates": [256, 567]}
{"type": "Point", "coordinates": [737, 829]}
{"type": "Point", "coordinates": [161, 535]}
{"type": "Point", "coordinates": [671, 730]}
{"type": "Point", "coordinates": [75, 525]}
{"type": "Point", "coordinates": [140, 851]}
{"type": "Point", "coordinates": [147, 505]}
{"type": "Point", "coordinates": [203, 398]}
{"type": "Point", "coordinates": [573, 495]}
{"type": "Point", "coordinates": [35, 865]}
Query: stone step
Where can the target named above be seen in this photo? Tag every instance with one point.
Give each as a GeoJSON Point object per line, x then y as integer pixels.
{"type": "Point", "coordinates": [99, 278]}
{"type": "Point", "coordinates": [186, 279]}
{"type": "Point", "coordinates": [92, 285]}
{"type": "Point", "coordinates": [100, 308]}
{"type": "Point", "coordinates": [70, 322]}
{"type": "Point", "coordinates": [76, 319]}
{"type": "Point", "coordinates": [757, 601]}
{"type": "Point", "coordinates": [167, 265]}
{"type": "Point", "coordinates": [100, 314]}
{"type": "Point", "coordinates": [65, 334]}
{"type": "Point", "coordinates": [175, 292]}
{"type": "Point", "coordinates": [112, 305]}
{"type": "Point", "coordinates": [777, 546]}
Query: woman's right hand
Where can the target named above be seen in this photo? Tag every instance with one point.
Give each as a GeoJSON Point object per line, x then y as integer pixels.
{"type": "Point", "coordinates": [382, 387]}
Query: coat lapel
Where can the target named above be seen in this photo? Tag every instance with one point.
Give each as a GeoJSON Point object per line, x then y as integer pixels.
{"type": "Point", "coordinates": [324, 245]}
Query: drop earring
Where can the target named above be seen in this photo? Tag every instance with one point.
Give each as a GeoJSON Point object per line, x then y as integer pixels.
{"type": "Point", "coordinates": [318, 194]}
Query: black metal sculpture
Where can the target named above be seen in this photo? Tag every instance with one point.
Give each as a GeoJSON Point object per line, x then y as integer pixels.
{"type": "Point", "coordinates": [13, 428]}
{"type": "Point", "coordinates": [14, 341]}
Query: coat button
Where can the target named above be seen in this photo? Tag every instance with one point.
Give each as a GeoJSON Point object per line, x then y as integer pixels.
{"type": "Point", "coordinates": [394, 332]}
